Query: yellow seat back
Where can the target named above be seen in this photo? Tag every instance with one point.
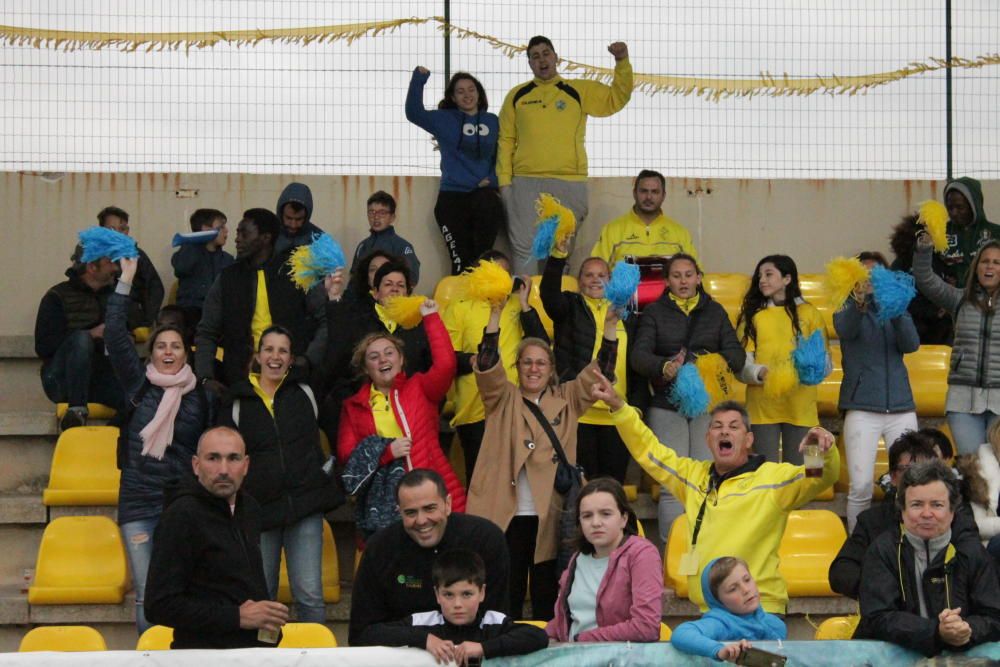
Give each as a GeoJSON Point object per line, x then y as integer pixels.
{"type": "Point", "coordinates": [141, 334]}
{"type": "Point", "coordinates": [569, 284]}
{"type": "Point", "coordinates": [81, 560]}
{"type": "Point", "coordinates": [537, 624]}
{"type": "Point", "coordinates": [665, 632]}
{"type": "Point", "coordinates": [642, 531]}
{"type": "Point", "coordinates": [63, 638]}
{"type": "Point", "coordinates": [156, 638]}
{"type": "Point", "coordinates": [728, 289]}
{"type": "Point", "coordinates": [838, 627]}
{"type": "Point", "coordinates": [306, 635]}
{"type": "Point", "coordinates": [828, 391]}
{"type": "Point", "coordinates": [94, 411]}
{"type": "Point", "coordinates": [84, 468]}
{"type": "Point", "coordinates": [813, 286]}
{"type": "Point", "coordinates": [928, 370]}
{"type": "Point", "coordinates": [678, 542]}
{"type": "Point", "coordinates": [448, 289]}
{"type": "Point", "coordinates": [330, 567]}
{"type": "Point", "coordinates": [811, 541]}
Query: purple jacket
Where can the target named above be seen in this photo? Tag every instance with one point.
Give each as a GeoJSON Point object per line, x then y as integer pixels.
{"type": "Point", "coordinates": [629, 599]}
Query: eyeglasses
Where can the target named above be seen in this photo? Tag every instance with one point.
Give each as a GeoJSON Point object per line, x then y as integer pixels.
{"type": "Point", "coordinates": [379, 213]}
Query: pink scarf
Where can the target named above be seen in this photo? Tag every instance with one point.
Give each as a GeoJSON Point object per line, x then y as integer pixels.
{"type": "Point", "coordinates": [159, 432]}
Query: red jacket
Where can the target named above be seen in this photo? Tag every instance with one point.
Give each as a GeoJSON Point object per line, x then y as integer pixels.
{"type": "Point", "coordinates": [629, 599]}
{"type": "Point", "coordinates": [414, 403]}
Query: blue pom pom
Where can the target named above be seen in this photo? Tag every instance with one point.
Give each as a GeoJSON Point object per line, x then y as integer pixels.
{"type": "Point", "coordinates": [811, 359]}
{"type": "Point", "coordinates": [545, 238]}
{"type": "Point", "coordinates": [688, 392]}
{"type": "Point", "coordinates": [893, 291]}
{"type": "Point", "coordinates": [194, 238]}
{"type": "Point", "coordinates": [327, 254]}
{"type": "Point", "coordinates": [620, 290]}
{"type": "Point", "coordinates": [100, 242]}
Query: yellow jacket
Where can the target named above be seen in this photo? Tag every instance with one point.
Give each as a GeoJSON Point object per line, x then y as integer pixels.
{"type": "Point", "coordinates": [598, 413]}
{"type": "Point", "coordinates": [543, 124]}
{"type": "Point", "coordinates": [465, 321]}
{"type": "Point", "coordinates": [775, 343]}
{"type": "Point", "coordinates": [629, 235]}
{"type": "Point", "coordinates": [744, 517]}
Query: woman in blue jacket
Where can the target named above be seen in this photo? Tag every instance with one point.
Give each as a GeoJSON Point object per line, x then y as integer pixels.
{"type": "Point", "coordinates": [167, 413]}
{"type": "Point", "coordinates": [468, 210]}
{"type": "Point", "coordinates": [875, 392]}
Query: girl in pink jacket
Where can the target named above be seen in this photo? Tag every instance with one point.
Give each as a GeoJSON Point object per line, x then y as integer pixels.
{"type": "Point", "coordinates": [612, 589]}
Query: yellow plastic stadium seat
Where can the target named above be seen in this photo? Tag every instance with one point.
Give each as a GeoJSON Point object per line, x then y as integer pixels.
{"type": "Point", "coordinates": [448, 289]}
{"type": "Point", "coordinates": [94, 411]}
{"type": "Point", "coordinates": [331, 572]}
{"type": "Point", "coordinates": [928, 370]}
{"type": "Point", "coordinates": [811, 541]}
{"type": "Point", "coordinates": [631, 492]}
{"type": "Point", "coordinates": [838, 627]}
{"type": "Point", "coordinates": [665, 632]}
{"type": "Point", "coordinates": [826, 494]}
{"type": "Point", "coordinates": [828, 391]}
{"type": "Point", "coordinates": [84, 468]}
{"type": "Point", "coordinates": [63, 638]}
{"type": "Point", "coordinates": [141, 334]}
{"type": "Point", "coordinates": [156, 638]}
{"type": "Point", "coordinates": [728, 289]}
{"type": "Point", "coordinates": [814, 291]}
{"type": "Point", "coordinates": [537, 624]}
{"type": "Point", "coordinates": [642, 531]}
{"type": "Point", "coordinates": [81, 560]}
{"type": "Point", "coordinates": [677, 545]}
{"type": "Point", "coordinates": [569, 284]}
{"type": "Point", "coordinates": [306, 635]}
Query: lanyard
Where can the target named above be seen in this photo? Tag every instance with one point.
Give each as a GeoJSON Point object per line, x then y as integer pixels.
{"type": "Point", "coordinates": [701, 514]}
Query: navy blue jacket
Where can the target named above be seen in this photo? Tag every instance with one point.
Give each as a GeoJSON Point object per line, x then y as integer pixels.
{"type": "Point", "coordinates": [196, 269]}
{"type": "Point", "coordinates": [875, 379]}
{"type": "Point", "coordinates": [391, 242]}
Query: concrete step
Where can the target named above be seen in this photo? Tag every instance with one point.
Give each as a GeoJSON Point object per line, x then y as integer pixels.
{"type": "Point", "coordinates": [19, 546]}
{"type": "Point", "coordinates": [26, 463]}
{"type": "Point", "coordinates": [28, 422]}
{"type": "Point", "coordinates": [22, 387]}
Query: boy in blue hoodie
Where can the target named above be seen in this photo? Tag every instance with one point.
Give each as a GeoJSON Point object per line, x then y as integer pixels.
{"type": "Point", "coordinates": [734, 614]}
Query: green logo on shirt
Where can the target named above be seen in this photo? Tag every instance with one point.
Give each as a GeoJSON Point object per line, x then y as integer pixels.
{"type": "Point", "coordinates": [409, 581]}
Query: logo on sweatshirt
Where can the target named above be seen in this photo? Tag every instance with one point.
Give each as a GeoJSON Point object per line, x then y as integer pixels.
{"type": "Point", "coordinates": [409, 581]}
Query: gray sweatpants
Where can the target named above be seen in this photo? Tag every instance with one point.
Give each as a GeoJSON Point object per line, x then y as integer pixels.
{"type": "Point", "coordinates": [687, 438]}
{"type": "Point", "coordinates": [519, 200]}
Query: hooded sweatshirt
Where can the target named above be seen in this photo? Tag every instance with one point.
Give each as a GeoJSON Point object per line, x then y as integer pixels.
{"type": "Point", "coordinates": [965, 242]}
{"type": "Point", "coordinates": [705, 636]}
{"type": "Point", "coordinates": [299, 193]}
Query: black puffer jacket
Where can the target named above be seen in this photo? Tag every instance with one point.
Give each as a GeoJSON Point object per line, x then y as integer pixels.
{"type": "Point", "coordinates": [286, 461]}
{"type": "Point", "coordinates": [961, 575]}
{"type": "Point", "coordinates": [144, 477]}
{"type": "Point", "coordinates": [664, 329]}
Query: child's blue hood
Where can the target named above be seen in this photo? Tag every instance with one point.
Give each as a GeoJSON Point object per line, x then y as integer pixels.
{"type": "Point", "coordinates": [756, 625]}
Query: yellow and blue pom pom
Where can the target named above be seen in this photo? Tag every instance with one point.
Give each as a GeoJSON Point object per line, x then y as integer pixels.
{"type": "Point", "coordinates": [934, 217]}
{"type": "Point", "coordinates": [893, 291]}
{"type": "Point", "coordinates": [719, 381]}
{"type": "Point", "coordinates": [688, 392]}
{"type": "Point", "coordinates": [311, 264]}
{"type": "Point", "coordinates": [545, 238]}
{"type": "Point", "coordinates": [488, 281]}
{"type": "Point", "coordinates": [843, 275]}
{"type": "Point", "coordinates": [620, 290]}
{"type": "Point", "coordinates": [405, 310]}
{"type": "Point", "coordinates": [811, 359]}
{"type": "Point", "coordinates": [100, 242]}
{"type": "Point", "coordinates": [556, 223]}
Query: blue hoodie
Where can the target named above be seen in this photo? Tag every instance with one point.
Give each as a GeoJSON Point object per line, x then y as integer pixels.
{"type": "Point", "coordinates": [705, 636]}
{"type": "Point", "coordinates": [468, 143]}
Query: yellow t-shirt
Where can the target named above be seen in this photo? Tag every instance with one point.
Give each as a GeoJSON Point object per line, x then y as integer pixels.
{"type": "Point", "coordinates": [268, 400]}
{"type": "Point", "coordinates": [629, 235]}
{"type": "Point", "coordinates": [598, 413]}
{"type": "Point", "coordinates": [385, 420]}
{"type": "Point", "coordinates": [261, 310]}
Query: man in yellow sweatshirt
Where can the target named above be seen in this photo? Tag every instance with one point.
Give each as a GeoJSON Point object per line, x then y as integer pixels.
{"type": "Point", "coordinates": [644, 231]}
{"type": "Point", "coordinates": [543, 124]}
{"type": "Point", "coordinates": [736, 504]}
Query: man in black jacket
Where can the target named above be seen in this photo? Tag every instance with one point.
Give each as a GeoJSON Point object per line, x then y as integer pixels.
{"type": "Point", "coordinates": [909, 449]}
{"type": "Point", "coordinates": [147, 290]}
{"type": "Point", "coordinates": [394, 580]}
{"type": "Point", "coordinates": [206, 579]}
{"type": "Point", "coordinates": [923, 589]}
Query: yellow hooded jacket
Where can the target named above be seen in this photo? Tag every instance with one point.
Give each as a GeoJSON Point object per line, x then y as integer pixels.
{"type": "Point", "coordinates": [629, 235]}
{"type": "Point", "coordinates": [744, 517]}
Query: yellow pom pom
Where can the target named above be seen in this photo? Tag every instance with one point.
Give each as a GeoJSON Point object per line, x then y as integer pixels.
{"type": "Point", "coordinates": [720, 383]}
{"type": "Point", "coordinates": [405, 310]}
{"type": "Point", "coordinates": [781, 379]}
{"type": "Point", "coordinates": [934, 216]}
{"type": "Point", "coordinates": [843, 274]}
{"type": "Point", "coordinates": [488, 281]}
{"type": "Point", "coordinates": [298, 268]}
{"type": "Point", "coordinates": [547, 206]}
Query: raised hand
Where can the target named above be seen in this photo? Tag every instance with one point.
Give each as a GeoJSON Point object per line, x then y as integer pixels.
{"type": "Point", "coordinates": [428, 306]}
{"type": "Point", "coordinates": [619, 50]}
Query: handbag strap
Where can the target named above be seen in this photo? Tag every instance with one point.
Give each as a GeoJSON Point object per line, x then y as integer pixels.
{"type": "Point", "coordinates": [540, 416]}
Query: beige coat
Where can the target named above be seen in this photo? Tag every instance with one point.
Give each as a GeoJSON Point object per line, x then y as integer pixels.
{"type": "Point", "coordinates": [514, 439]}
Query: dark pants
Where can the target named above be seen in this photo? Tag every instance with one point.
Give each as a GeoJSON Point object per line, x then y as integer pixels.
{"type": "Point", "coordinates": [601, 452]}
{"type": "Point", "coordinates": [469, 222]}
{"type": "Point", "coordinates": [521, 534]}
{"type": "Point", "coordinates": [471, 437]}
{"type": "Point", "coordinates": [80, 373]}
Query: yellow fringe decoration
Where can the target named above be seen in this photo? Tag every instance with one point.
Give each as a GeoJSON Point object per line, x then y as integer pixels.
{"type": "Point", "coordinates": [405, 310]}
{"type": "Point", "coordinates": [720, 383]}
{"type": "Point", "coordinates": [781, 379]}
{"type": "Point", "coordinates": [712, 89]}
{"type": "Point", "coordinates": [934, 217]}
{"type": "Point", "coordinates": [488, 281]}
{"type": "Point", "coordinates": [843, 274]}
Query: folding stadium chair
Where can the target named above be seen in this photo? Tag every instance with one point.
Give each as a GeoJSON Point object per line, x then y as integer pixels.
{"type": "Point", "coordinates": [84, 468]}
{"type": "Point", "coordinates": [81, 560]}
{"type": "Point", "coordinates": [63, 638]}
